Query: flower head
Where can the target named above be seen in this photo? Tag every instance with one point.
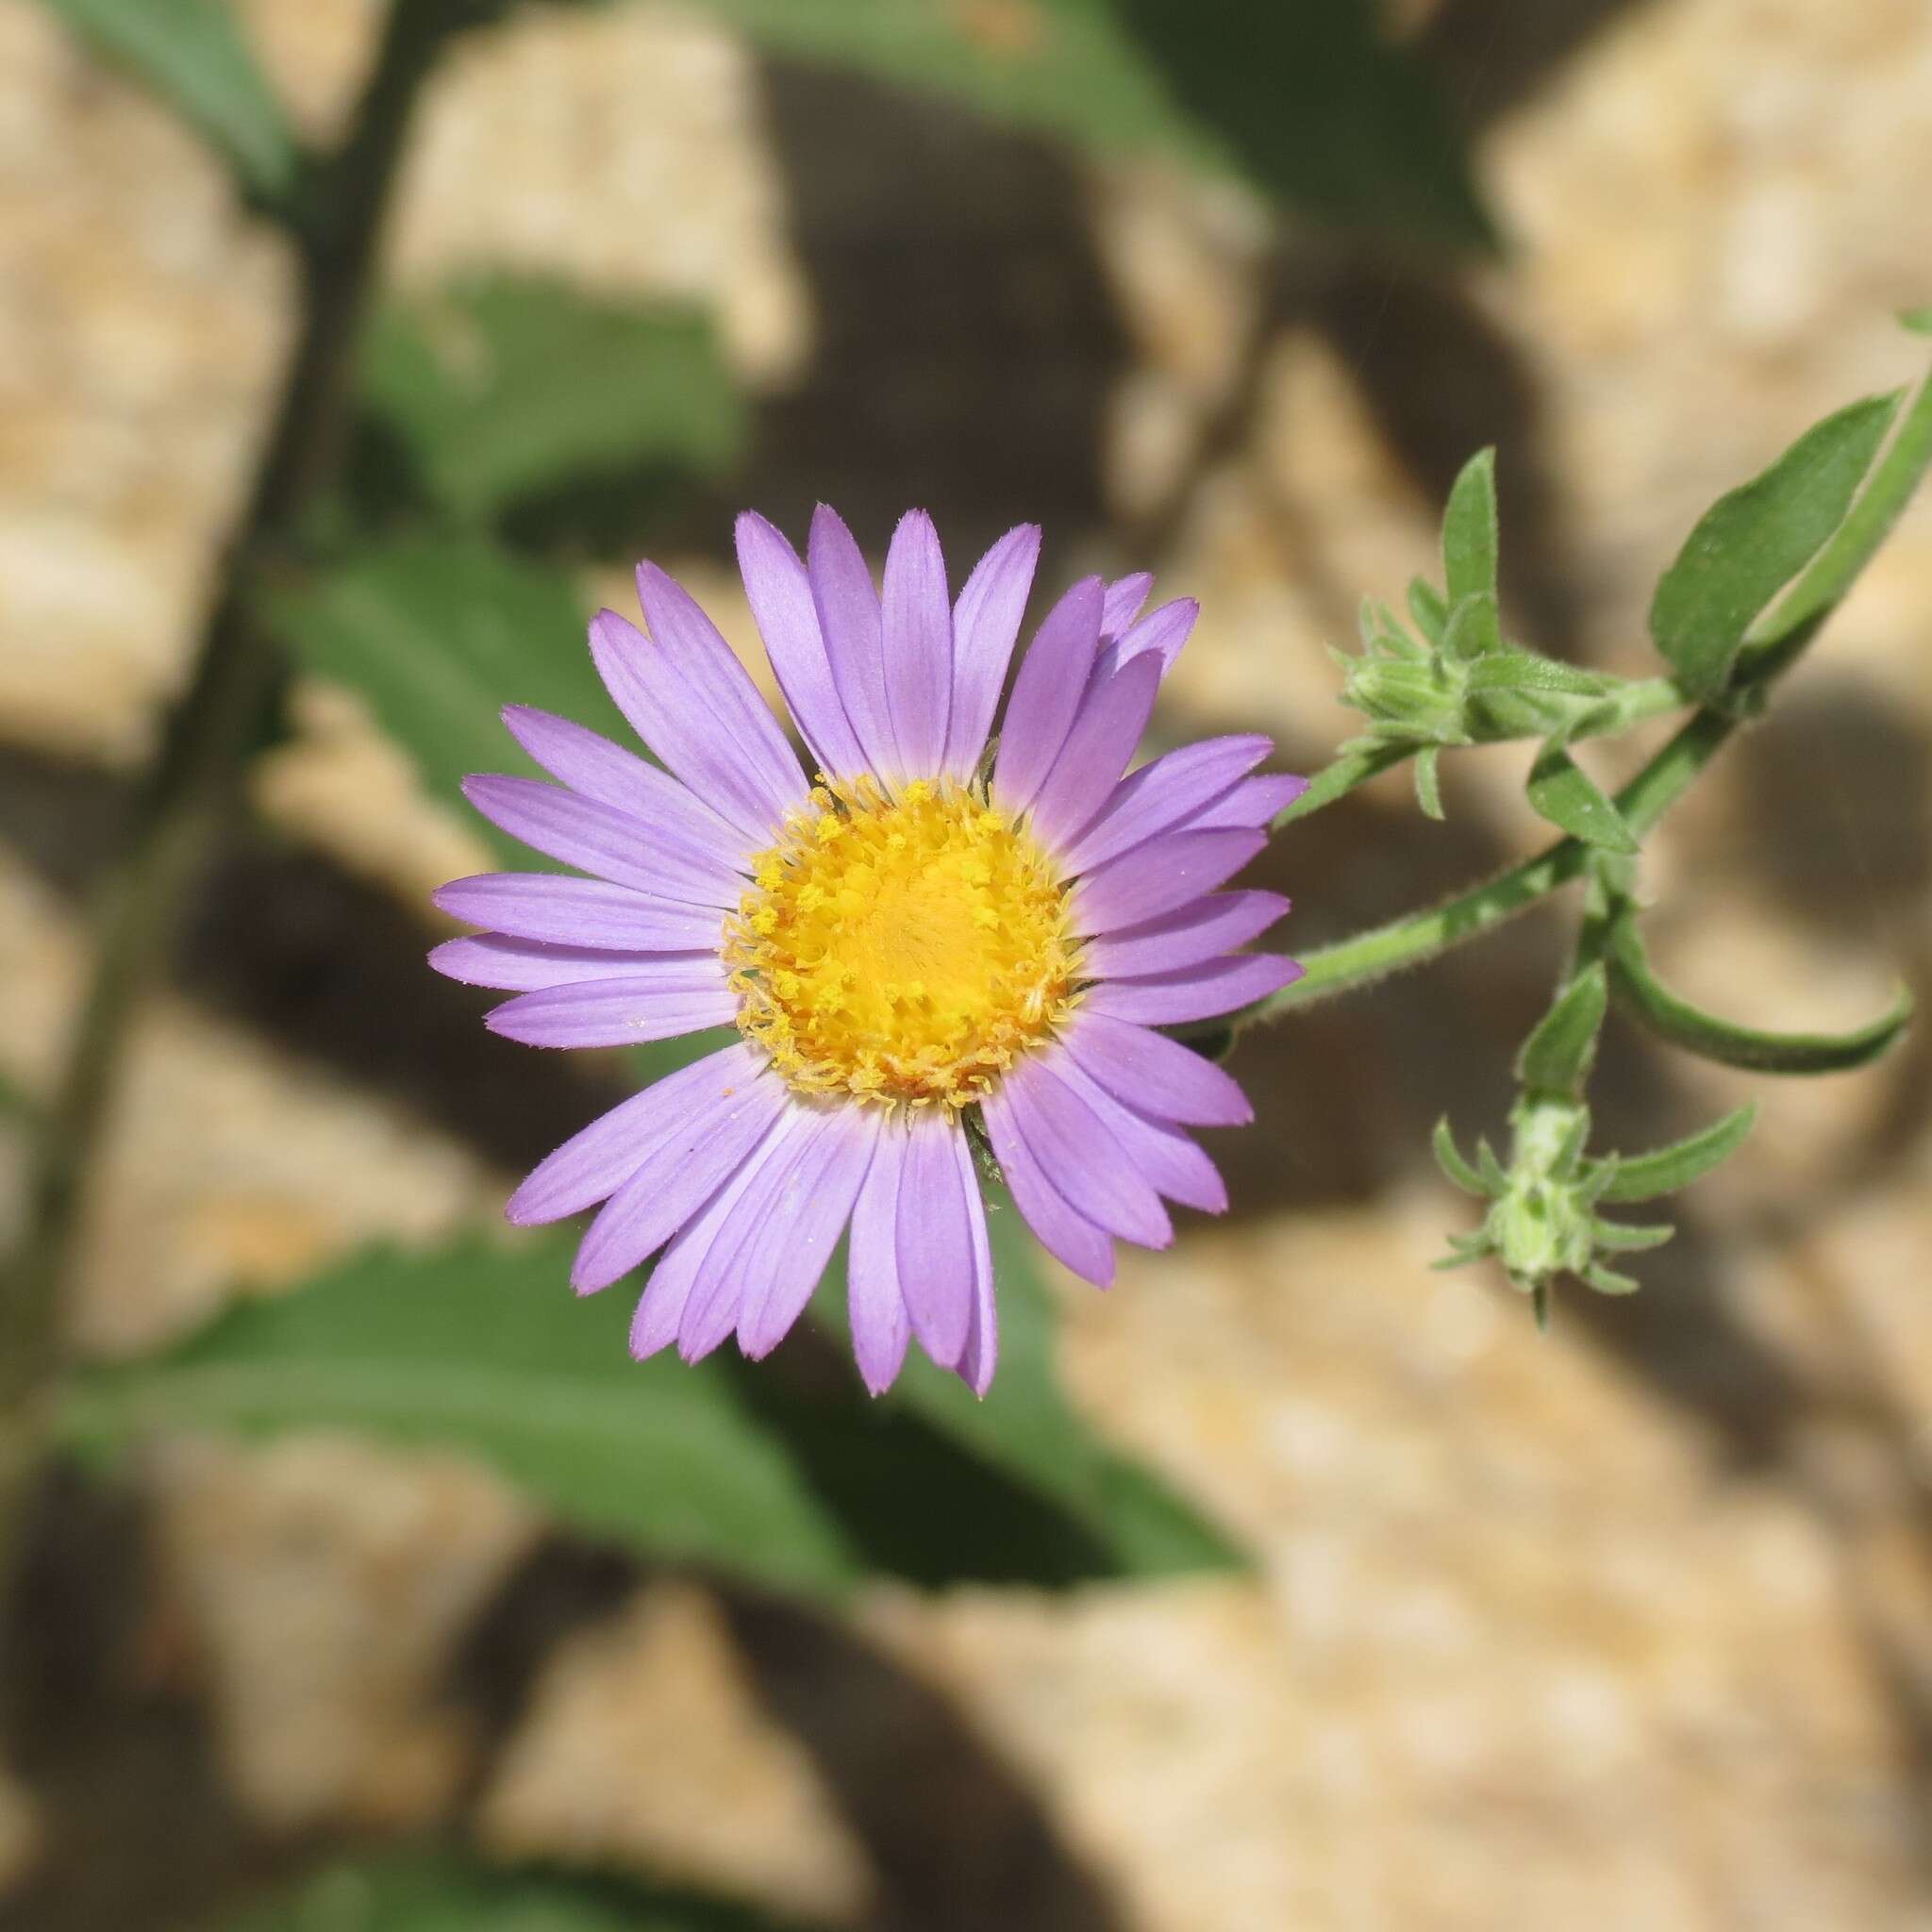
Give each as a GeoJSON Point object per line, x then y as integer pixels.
{"type": "Point", "coordinates": [929, 939]}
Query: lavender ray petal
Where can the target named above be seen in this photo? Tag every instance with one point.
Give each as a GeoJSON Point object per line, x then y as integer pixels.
{"type": "Point", "coordinates": [683, 1165]}
{"type": "Point", "coordinates": [917, 632]}
{"type": "Point", "coordinates": [692, 646]}
{"type": "Point", "coordinates": [1162, 794]}
{"type": "Point", "coordinates": [1046, 693]}
{"type": "Point", "coordinates": [528, 966]}
{"type": "Point", "coordinates": [785, 1264]}
{"type": "Point", "coordinates": [599, 838]}
{"type": "Point", "coordinates": [683, 992]}
{"type": "Point", "coordinates": [935, 1241]}
{"type": "Point", "coordinates": [875, 1304]}
{"type": "Point", "coordinates": [666, 1301]}
{"type": "Point", "coordinates": [1062, 1231]}
{"type": "Point", "coordinates": [986, 622]}
{"type": "Point", "coordinates": [1075, 1149]}
{"type": "Point", "coordinates": [781, 600]}
{"type": "Point", "coordinates": [725, 1280]}
{"type": "Point", "coordinates": [1194, 992]}
{"type": "Point", "coordinates": [1168, 1160]}
{"type": "Point", "coordinates": [1158, 876]}
{"type": "Point", "coordinates": [982, 1352]}
{"type": "Point", "coordinates": [850, 623]}
{"type": "Point", "coordinates": [588, 763]}
{"type": "Point", "coordinates": [1153, 1074]}
{"type": "Point", "coordinates": [568, 911]}
{"type": "Point", "coordinates": [1159, 635]}
{"type": "Point", "coordinates": [1111, 719]}
{"type": "Point", "coordinates": [592, 1164]}
{"type": "Point", "coordinates": [1202, 929]}
{"type": "Point", "coordinates": [678, 710]}
{"type": "Point", "coordinates": [1123, 602]}
{"type": "Point", "coordinates": [1253, 801]}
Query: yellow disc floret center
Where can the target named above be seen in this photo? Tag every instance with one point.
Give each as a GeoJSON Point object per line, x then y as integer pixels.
{"type": "Point", "coordinates": [901, 949]}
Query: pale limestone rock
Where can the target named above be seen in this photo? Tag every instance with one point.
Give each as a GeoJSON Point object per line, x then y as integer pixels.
{"type": "Point", "coordinates": [323, 1583]}
{"type": "Point", "coordinates": [644, 1746]}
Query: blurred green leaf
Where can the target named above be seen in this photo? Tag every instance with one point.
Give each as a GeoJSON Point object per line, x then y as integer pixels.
{"type": "Point", "coordinates": [503, 387]}
{"type": "Point", "coordinates": [1753, 541]}
{"type": "Point", "coordinates": [1309, 103]}
{"type": "Point", "coordinates": [1665, 1169]}
{"type": "Point", "coordinates": [1557, 1056]}
{"type": "Point", "coordinates": [1026, 1428]}
{"type": "Point", "coordinates": [191, 53]}
{"type": "Point", "coordinates": [437, 637]}
{"type": "Point", "coordinates": [1468, 531]}
{"type": "Point", "coordinates": [437, 1892]}
{"type": "Point", "coordinates": [483, 1349]}
{"type": "Point", "coordinates": [1641, 994]}
{"type": "Point", "coordinates": [1561, 792]}
{"type": "Point", "coordinates": [1918, 320]}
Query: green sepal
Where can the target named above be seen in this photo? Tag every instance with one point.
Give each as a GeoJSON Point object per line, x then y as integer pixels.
{"type": "Point", "coordinates": [1494, 1179]}
{"type": "Point", "coordinates": [1468, 531]}
{"type": "Point", "coordinates": [1645, 998]}
{"type": "Point", "coordinates": [1754, 541]}
{"type": "Point", "coordinates": [1512, 668]}
{"type": "Point", "coordinates": [1621, 1238]}
{"type": "Point", "coordinates": [1561, 792]}
{"type": "Point", "coordinates": [1428, 787]}
{"type": "Point", "coordinates": [1645, 1177]}
{"type": "Point", "coordinates": [1449, 1158]}
{"type": "Point", "coordinates": [1608, 1281]}
{"type": "Point", "coordinates": [1557, 1056]}
{"type": "Point", "coordinates": [1429, 609]}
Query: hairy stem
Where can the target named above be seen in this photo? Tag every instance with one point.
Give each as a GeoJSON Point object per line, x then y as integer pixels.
{"type": "Point", "coordinates": [192, 788]}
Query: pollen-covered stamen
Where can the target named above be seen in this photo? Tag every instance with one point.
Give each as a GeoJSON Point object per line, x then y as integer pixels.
{"type": "Point", "coordinates": [901, 949]}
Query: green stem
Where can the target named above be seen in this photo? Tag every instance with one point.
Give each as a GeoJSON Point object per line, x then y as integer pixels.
{"type": "Point", "coordinates": [192, 788]}
{"type": "Point", "coordinates": [1420, 936]}
{"type": "Point", "coordinates": [1772, 644]}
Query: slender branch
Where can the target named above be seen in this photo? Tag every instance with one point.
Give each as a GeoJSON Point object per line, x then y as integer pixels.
{"type": "Point", "coordinates": [191, 788]}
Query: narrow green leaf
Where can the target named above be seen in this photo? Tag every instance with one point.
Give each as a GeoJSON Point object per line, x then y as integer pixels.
{"type": "Point", "coordinates": [483, 1349]}
{"type": "Point", "coordinates": [1429, 609]}
{"type": "Point", "coordinates": [1313, 106]}
{"type": "Point", "coordinates": [1468, 531]}
{"type": "Point", "coordinates": [1495, 1181]}
{"type": "Point", "coordinates": [1428, 788]}
{"type": "Point", "coordinates": [1557, 1056]}
{"type": "Point", "coordinates": [1756, 539]}
{"type": "Point", "coordinates": [1640, 993]}
{"type": "Point", "coordinates": [1540, 1305]}
{"type": "Point", "coordinates": [437, 637]}
{"type": "Point", "coordinates": [504, 386]}
{"type": "Point", "coordinates": [1026, 1428]}
{"type": "Point", "coordinates": [1473, 630]}
{"type": "Point", "coordinates": [1563, 793]}
{"type": "Point", "coordinates": [1449, 1158]}
{"type": "Point", "coordinates": [435, 1891]}
{"type": "Point", "coordinates": [191, 53]}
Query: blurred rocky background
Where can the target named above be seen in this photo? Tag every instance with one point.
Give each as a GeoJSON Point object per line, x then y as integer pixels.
{"type": "Point", "coordinates": [1626, 1626]}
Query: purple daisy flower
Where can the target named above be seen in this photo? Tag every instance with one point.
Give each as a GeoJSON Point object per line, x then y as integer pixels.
{"type": "Point", "coordinates": [933, 933]}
